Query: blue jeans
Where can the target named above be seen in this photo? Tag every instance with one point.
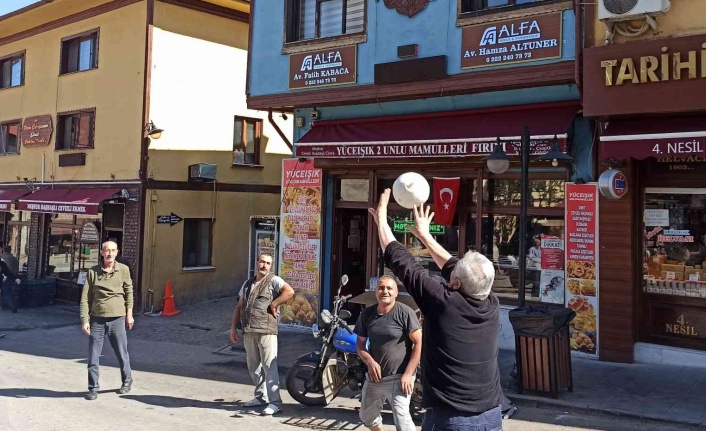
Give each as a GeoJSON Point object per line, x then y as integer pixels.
{"type": "Point", "coordinates": [114, 329]}
{"type": "Point", "coordinates": [490, 420]}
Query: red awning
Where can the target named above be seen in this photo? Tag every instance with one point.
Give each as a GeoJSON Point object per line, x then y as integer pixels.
{"type": "Point", "coordinates": [660, 138]}
{"type": "Point", "coordinates": [8, 196]}
{"type": "Point", "coordinates": [454, 133]}
{"type": "Point", "coordinates": [66, 201]}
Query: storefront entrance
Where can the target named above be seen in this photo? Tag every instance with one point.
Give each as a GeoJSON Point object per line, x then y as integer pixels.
{"type": "Point", "coordinates": [350, 253]}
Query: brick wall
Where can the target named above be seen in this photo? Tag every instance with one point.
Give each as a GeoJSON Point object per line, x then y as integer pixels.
{"type": "Point", "coordinates": [131, 243]}
{"type": "Point", "coordinates": [37, 243]}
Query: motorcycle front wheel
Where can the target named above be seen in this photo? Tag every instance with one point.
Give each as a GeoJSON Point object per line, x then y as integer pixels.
{"type": "Point", "coordinates": [303, 385]}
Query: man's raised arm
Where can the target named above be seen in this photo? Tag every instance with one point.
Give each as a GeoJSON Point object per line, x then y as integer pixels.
{"type": "Point", "coordinates": [380, 216]}
{"type": "Point", "coordinates": [422, 220]}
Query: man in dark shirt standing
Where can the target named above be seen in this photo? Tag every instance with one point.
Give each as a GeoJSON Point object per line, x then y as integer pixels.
{"type": "Point", "coordinates": [461, 322]}
{"type": "Point", "coordinates": [6, 272]}
{"type": "Point", "coordinates": [392, 358]}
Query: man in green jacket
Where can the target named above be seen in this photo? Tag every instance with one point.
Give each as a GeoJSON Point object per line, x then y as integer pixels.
{"type": "Point", "coordinates": [106, 309]}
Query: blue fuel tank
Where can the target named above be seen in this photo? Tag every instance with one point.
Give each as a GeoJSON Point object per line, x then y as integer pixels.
{"type": "Point", "coordinates": [345, 342]}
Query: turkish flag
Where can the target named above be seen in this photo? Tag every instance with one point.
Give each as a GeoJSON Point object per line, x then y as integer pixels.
{"type": "Point", "coordinates": [445, 199]}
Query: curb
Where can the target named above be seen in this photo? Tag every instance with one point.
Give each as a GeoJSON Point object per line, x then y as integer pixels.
{"type": "Point", "coordinates": [541, 402]}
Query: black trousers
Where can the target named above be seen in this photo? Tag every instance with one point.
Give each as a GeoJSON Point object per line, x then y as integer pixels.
{"type": "Point", "coordinates": [114, 328]}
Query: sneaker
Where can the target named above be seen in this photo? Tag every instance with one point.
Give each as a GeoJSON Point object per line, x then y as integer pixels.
{"type": "Point", "coordinates": [125, 388]}
{"type": "Point", "coordinates": [91, 395]}
{"type": "Point", "coordinates": [271, 409]}
{"type": "Point", "coordinates": [253, 403]}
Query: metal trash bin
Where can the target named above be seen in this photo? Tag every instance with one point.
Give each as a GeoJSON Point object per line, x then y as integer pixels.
{"type": "Point", "coordinates": [542, 349]}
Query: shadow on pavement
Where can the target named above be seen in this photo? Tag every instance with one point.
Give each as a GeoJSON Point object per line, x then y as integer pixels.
{"type": "Point", "coordinates": [44, 393]}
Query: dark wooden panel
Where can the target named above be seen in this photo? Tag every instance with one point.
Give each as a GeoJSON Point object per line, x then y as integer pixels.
{"type": "Point", "coordinates": [222, 187]}
{"type": "Point", "coordinates": [418, 69]}
{"type": "Point", "coordinates": [617, 297]}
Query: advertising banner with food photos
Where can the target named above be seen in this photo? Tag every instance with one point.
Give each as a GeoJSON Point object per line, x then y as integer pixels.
{"type": "Point", "coordinates": [582, 265]}
{"type": "Point", "coordinates": [300, 240]}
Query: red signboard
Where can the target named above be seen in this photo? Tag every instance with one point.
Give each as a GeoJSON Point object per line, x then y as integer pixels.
{"type": "Point", "coordinates": [581, 220]}
{"type": "Point", "coordinates": [512, 41]}
{"type": "Point", "coordinates": [479, 147]}
{"type": "Point", "coordinates": [300, 239]}
{"type": "Point", "coordinates": [36, 131]}
{"type": "Point", "coordinates": [322, 68]}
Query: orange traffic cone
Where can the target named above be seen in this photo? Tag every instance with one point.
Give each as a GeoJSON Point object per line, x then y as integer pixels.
{"type": "Point", "coordinates": [169, 309]}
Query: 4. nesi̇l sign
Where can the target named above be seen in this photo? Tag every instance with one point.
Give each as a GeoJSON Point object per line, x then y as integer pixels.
{"type": "Point", "coordinates": [322, 68]}
{"type": "Point", "coordinates": [512, 41]}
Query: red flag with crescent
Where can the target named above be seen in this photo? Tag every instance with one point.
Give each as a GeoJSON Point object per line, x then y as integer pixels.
{"type": "Point", "coordinates": [445, 199]}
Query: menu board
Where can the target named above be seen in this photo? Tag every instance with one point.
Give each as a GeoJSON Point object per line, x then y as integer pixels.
{"type": "Point", "coordinates": [582, 265]}
{"type": "Point", "coordinates": [300, 240]}
{"type": "Point", "coordinates": [551, 280]}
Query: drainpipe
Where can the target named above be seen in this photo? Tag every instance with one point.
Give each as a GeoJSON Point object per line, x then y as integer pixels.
{"type": "Point", "coordinates": [279, 131]}
{"type": "Point", "coordinates": [578, 12]}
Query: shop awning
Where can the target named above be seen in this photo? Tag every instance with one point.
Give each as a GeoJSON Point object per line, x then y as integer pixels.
{"type": "Point", "coordinates": [66, 201]}
{"type": "Point", "coordinates": [8, 196]}
{"type": "Point", "coordinates": [640, 138]}
{"type": "Point", "coordinates": [443, 134]}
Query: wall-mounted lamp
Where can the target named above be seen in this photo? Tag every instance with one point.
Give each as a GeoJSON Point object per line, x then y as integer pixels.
{"type": "Point", "coordinates": [153, 131]}
{"type": "Point", "coordinates": [284, 116]}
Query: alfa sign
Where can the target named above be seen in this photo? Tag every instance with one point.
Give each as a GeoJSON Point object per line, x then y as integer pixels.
{"type": "Point", "coordinates": [322, 68]}
{"type": "Point", "coordinates": [512, 41]}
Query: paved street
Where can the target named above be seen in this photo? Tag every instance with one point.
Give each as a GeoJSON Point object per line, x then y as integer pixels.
{"type": "Point", "coordinates": [181, 386]}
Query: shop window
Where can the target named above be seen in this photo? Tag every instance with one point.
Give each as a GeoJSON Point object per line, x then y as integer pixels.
{"type": "Point", "coordinates": [197, 243]}
{"type": "Point", "coordinates": [70, 252]}
{"type": "Point", "coordinates": [75, 130]}
{"type": "Point", "coordinates": [506, 192]}
{"type": "Point", "coordinates": [675, 242]}
{"type": "Point", "coordinates": [12, 70]}
{"type": "Point", "coordinates": [469, 6]}
{"type": "Point", "coordinates": [18, 223]}
{"type": "Point", "coordinates": [500, 243]}
{"type": "Point", "coordinates": [314, 19]}
{"type": "Point", "coordinates": [10, 138]}
{"type": "Point", "coordinates": [353, 190]}
{"type": "Point", "coordinates": [79, 53]}
{"type": "Point", "coordinates": [446, 236]}
{"type": "Point", "coordinates": [247, 134]}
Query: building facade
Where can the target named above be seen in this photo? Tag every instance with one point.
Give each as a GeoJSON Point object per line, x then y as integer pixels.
{"type": "Point", "coordinates": [643, 84]}
{"type": "Point", "coordinates": [84, 86]}
{"type": "Point", "coordinates": [383, 88]}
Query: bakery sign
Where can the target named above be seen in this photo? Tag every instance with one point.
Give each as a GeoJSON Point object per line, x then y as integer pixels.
{"type": "Point", "coordinates": [441, 148]}
{"type": "Point", "coordinates": [36, 131]}
{"type": "Point", "coordinates": [512, 41]}
{"type": "Point", "coordinates": [323, 68]}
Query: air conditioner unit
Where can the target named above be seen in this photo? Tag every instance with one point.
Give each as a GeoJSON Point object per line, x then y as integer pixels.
{"type": "Point", "coordinates": [202, 172]}
{"type": "Point", "coordinates": [623, 10]}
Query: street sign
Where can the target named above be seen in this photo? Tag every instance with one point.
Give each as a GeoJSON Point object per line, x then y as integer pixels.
{"type": "Point", "coordinates": [171, 219]}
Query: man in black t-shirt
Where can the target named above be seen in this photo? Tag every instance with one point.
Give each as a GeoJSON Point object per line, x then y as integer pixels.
{"type": "Point", "coordinates": [461, 323]}
{"type": "Point", "coordinates": [395, 346]}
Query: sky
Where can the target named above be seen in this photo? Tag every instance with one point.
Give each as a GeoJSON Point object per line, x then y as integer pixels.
{"type": "Point", "coordinates": [7, 6]}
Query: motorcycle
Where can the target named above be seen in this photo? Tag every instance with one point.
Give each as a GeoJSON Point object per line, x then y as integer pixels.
{"type": "Point", "coordinates": [316, 378]}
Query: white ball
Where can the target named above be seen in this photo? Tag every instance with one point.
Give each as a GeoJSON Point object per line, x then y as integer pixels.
{"type": "Point", "coordinates": [410, 189]}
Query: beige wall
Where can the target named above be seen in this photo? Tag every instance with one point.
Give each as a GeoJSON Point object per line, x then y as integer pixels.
{"type": "Point", "coordinates": [164, 243]}
{"type": "Point", "coordinates": [115, 89]}
{"type": "Point", "coordinates": [685, 17]}
{"type": "Point", "coordinates": [199, 65]}
{"type": "Point", "coordinates": [198, 86]}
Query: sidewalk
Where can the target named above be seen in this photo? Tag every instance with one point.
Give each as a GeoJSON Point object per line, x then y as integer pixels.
{"type": "Point", "coordinates": [660, 392]}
